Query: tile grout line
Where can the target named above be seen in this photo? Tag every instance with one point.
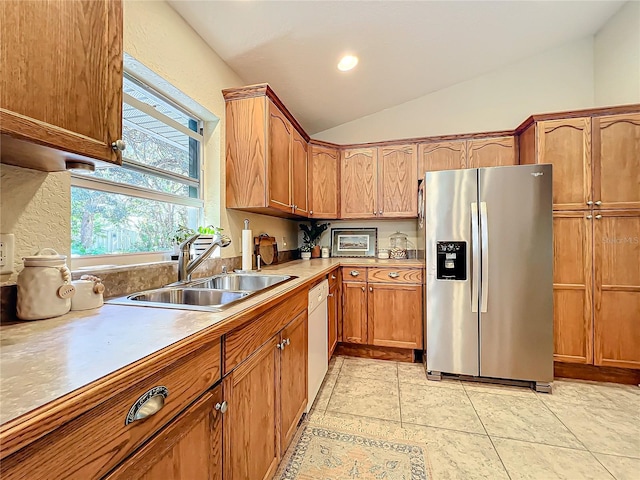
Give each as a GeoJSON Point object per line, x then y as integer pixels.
{"type": "Point", "coordinates": [562, 423]}
{"type": "Point", "coordinates": [485, 429]}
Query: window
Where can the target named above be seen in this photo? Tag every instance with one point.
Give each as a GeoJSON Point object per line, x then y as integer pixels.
{"type": "Point", "coordinates": [137, 207]}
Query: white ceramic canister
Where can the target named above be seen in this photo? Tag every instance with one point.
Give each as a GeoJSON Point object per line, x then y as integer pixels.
{"type": "Point", "coordinates": [44, 286]}
{"type": "Point", "coordinates": [325, 252]}
{"type": "Point", "coordinates": [89, 290]}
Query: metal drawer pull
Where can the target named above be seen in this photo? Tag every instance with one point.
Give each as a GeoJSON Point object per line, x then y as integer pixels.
{"type": "Point", "coordinates": [149, 403]}
{"type": "Point", "coordinates": [354, 273]}
{"type": "Point", "coordinates": [221, 407]}
{"type": "Point", "coordinates": [394, 274]}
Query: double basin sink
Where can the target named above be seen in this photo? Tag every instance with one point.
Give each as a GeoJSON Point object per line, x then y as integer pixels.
{"type": "Point", "coordinates": [207, 294]}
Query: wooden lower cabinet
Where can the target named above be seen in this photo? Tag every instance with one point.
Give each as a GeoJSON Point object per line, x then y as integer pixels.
{"type": "Point", "coordinates": [293, 377]}
{"type": "Point", "coordinates": [573, 287]}
{"type": "Point", "coordinates": [189, 447]}
{"type": "Point", "coordinates": [617, 288]}
{"type": "Point", "coordinates": [395, 316]}
{"type": "Point", "coordinates": [379, 312]}
{"type": "Point", "coordinates": [354, 312]}
{"type": "Point", "coordinates": [334, 310]}
{"type": "Point", "coordinates": [252, 449]}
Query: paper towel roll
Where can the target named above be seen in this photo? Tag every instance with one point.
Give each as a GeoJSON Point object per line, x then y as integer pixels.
{"type": "Point", "coordinates": [247, 249]}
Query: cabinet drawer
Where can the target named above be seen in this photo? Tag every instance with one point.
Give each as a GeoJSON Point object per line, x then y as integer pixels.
{"type": "Point", "coordinates": [334, 278]}
{"type": "Point", "coordinates": [395, 275]}
{"type": "Point", "coordinates": [92, 444]}
{"type": "Point", "coordinates": [242, 342]}
{"type": "Point", "coordinates": [354, 274]}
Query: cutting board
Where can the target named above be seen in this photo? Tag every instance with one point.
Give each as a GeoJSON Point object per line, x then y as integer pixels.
{"type": "Point", "coordinates": [267, 248]}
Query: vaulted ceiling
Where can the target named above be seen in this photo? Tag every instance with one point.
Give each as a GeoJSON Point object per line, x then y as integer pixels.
{"type": "Point", "coordinates": [407, 49]}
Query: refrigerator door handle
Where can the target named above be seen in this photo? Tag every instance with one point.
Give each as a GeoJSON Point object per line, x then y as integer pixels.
{"type": "Point", "coordinates": [475, 257]}
{"type": "Point", "coordinates": [484, 285]}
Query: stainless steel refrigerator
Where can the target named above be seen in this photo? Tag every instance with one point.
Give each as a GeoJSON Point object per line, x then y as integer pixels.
{"type": "Point", "coordinates": [489, 272]}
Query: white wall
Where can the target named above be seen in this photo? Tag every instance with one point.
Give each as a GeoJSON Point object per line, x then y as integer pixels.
{"type": "Point", "coordinates": [556, 80]}
{"type": "Point", "coordinates": [617, 58]}
{"type": "Point", "coordinates": [36, 208]}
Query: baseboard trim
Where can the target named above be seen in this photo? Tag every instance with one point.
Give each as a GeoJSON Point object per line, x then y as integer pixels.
{"type": "Point", "coordinates": [599, 374]}
{"type": "Point", "coordinates": [373, 351]}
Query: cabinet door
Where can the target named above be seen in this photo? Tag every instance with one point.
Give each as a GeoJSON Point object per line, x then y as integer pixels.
{"type": "Point", "coordinates": [279, 163]}
{"type": "Point", "coordinates": [566, 144]}
{"type": "Point", "coordinates": [491, 152]}
{"type": "Point", "coordinates": [293, 377]}
{"type": "Point", "coordinates": [252, 447]}
{"type": "Point", "coordinates": [61, 82]}
{"type": "Point", "coordinates": [358, 183]}
{"type": "Point", "coordinates": [189, 447]}
{"type": "Point", "coordinates": [616, 161]}
{"type": "Point", "coordinates": [323, 182]}
{"type": "Point", "coordinates": [299, 157]}
{"type": "Point", "coordinates": [398, 181]}
{"type": "Point", "coordinates": [441, 156]}
{"type": "Point", "coordinates": [354, 312]}
{"type": "Point", "coordinates": [572, 287]}
{"type": "Point", "coordinates": [617, 288]}
{"type": "Point", "coordinates": [333, 304]}
{"type": "Point", "coordinates": [395, 315]}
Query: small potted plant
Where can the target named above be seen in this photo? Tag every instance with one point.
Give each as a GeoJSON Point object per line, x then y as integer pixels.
{"type": "Point", "coordinates": [206, 237]}
{"type": "Point", "coordinates": [310, 236]}
{"type": "Point", "coordinates": [305, 251]}
{"type": "Point", "coordinates": [181, 234]}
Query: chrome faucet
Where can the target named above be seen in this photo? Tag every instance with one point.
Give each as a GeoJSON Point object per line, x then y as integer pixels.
{"type": "Point", "coordinates": [186, 267]}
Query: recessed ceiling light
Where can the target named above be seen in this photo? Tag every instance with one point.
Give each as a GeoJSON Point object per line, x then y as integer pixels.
{"type": "Point", "coordinates": [347, 63]}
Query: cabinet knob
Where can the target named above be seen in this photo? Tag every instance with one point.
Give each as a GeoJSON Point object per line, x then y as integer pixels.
{"type": "Point", "coordinates": [119, 145]}
{"type": "Point", "coordinates": [221, 407]}
{"type": "Point", "coordinates": [149, 403]}
{"type": "Point", "coordinates": [598, 203]}
{"type": "Point", "coordinates": [380, 212]}
{"type": "Point", "coordinates": [394, 274]}
{"type": "Point", "coordinates": [598, 217]}
{"type": "Point", "coordinates": [310, 212]}
{"type": "Point", "coordinates": [354, 273]}
{"type": "Point", "coordinates": [589, 202]}
{"type": "Point", "coordinates": [333, 277]}
{"type": "Point", "coordinates": [330, 295]}
{"type": "Point", "coordinates": [374, 212]}
{"type": "Point", "coordinates": [287, 341]}
{"type": "Point", "coordinates": [371, 289]}
{"type": "Point", "coordinates": [362, 288]}
{"type": "Point", "coordinates": [589, 217]}
{"type": "Point", "coordinates": [280, 346]}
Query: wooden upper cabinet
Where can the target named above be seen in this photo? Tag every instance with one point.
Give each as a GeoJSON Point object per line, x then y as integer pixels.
{"type": "Point", "coordinates": [189, 447]}
{"type": "Point", "coordinates": [323, 182]}
{"type": "Point", "coordinates": [492, 152]}
{"type": "Point", "coordinates": [617, 288]}
{"type": "Point", "coordinates": [398, 181]}
{"type": "Point", "coordinates": [441, 156]}
{"type": "Point", "coordinates": [279, 159]}
{"type": "Point", "coordinates": [566, 144]}
{"type": "Point", "coordinates": [402, 329]}
{"type": "Point", "coordinates": [359, 183]}
{"type": "Point", "coordinates": [616, 161]}
{"type": "Point", "coordinates": [294, 340]}
{"type": "Point", "coordinates": [299, 167]}
{"type": "Point", "coordinates": [573, 286]}
{"type": "Point", "coordinates": [61, 82]}
{"type": "Point", "coordinates": [251, 427]}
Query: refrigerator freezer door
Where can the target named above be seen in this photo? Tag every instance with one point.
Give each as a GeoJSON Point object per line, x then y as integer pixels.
{"type": "Point", "coordinates": [516, 319]}
{"type": "Point", "coordinates": [451, 324]}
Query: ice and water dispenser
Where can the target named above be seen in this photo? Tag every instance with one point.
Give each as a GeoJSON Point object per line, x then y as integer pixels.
{"type": "Point", "coordinates": [452, 261]}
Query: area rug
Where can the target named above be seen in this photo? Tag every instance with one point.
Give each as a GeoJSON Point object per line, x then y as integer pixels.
{"type": "Point", "coordinates": [321, 452]}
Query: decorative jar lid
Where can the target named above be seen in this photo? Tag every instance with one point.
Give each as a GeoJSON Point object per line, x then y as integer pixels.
{"type": "Point", "coordinates": [47, 257]}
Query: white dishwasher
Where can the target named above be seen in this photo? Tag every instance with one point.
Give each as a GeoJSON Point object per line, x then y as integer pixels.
{"type": "Point", "coordinates": [318, 350]}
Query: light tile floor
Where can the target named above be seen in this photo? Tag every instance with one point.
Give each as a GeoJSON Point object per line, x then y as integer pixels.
{"type": "Point", "coordinates": [584, 430]}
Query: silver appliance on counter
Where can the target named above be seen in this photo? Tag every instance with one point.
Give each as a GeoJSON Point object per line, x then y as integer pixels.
{"type": "Point", "coordinates": [488, 242]}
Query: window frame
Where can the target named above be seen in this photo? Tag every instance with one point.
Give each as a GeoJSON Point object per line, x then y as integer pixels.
{"type": "Point", "coordinates": [196, 190]}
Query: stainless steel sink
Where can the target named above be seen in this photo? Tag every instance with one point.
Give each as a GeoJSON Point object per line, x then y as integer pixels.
{"type": "Point", "coordinates": [241, 281]}
{"type": "Point", "coordinates": [208, 294]}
